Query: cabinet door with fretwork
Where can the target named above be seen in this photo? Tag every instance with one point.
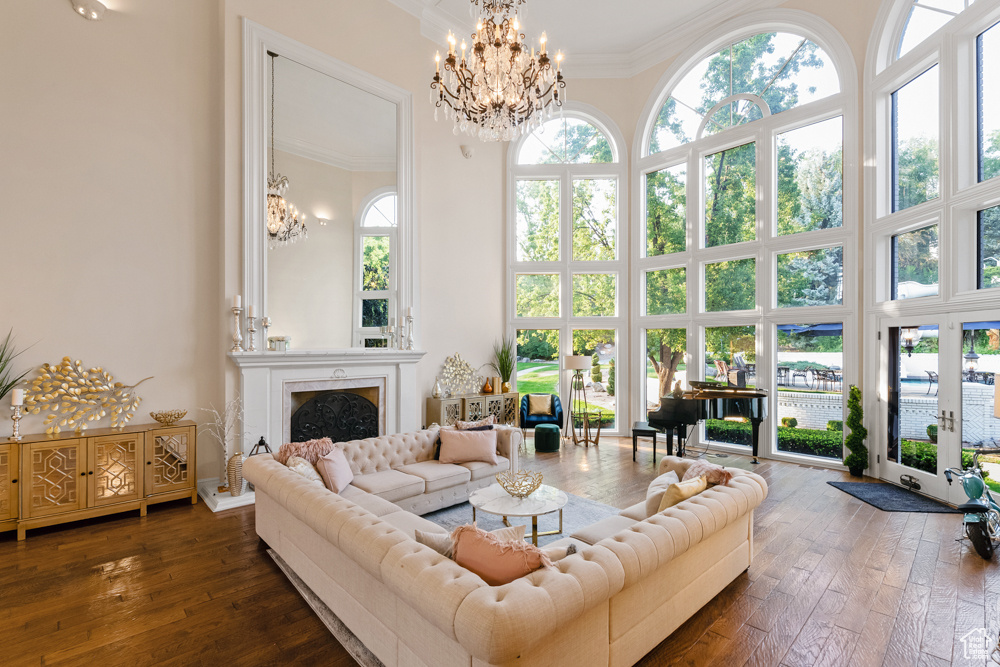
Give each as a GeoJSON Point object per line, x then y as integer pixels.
{"type": "Point", "coordinates": [8, 481]}
{"type": "Point", "coordinates": [114, 468]}
{"type": "Point", "coordinates": [53, 477]}
{"type": "Point", "coordinates": [169, 460]}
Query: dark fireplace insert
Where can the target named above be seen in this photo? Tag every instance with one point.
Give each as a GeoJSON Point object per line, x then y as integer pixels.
{"type": "Point", "coordinates": [337, 415]}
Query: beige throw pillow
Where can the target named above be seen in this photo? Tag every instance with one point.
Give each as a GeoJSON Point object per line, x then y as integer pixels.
{"type": "Point", "coordinates": [539, 404]}
{"type": "Point", "coordinates": [299, 465]}
{"type": "Point", "coordinates": [654, 494]}
{"type": "Point", "coordinates": [335, 470]}
{"type": "Point", "coordinates": [675, 493]}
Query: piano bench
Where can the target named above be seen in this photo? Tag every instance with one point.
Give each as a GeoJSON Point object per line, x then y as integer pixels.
{"type": "Point", "coordinates": [643, 430]}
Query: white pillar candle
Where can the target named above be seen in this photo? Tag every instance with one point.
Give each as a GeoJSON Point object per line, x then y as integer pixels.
{"type": "Point", "coordinates": [250, 310]}
{"type": "Point", "coordinates": [237, 301]}
{"type": "Point", "coordinates": [409, 311]}
{"type": "Point", "coordinates": [17, 397]}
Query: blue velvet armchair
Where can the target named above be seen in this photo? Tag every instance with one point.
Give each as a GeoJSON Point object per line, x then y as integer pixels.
{"type": "Point", "coordinates": [531, 421]}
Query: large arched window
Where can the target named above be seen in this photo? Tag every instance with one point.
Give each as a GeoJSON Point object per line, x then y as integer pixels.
{"type": "Point", "coordinates": [744, 216]}
{"type": "Point", "coordinates": [374, 268]}
{"type": "Point", "coordinates": [932, 234]}
{"type": "Point", "coordinates": [567, 247]}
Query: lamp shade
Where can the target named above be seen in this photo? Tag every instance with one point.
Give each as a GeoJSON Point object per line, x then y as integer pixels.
{"type": "Point", "coordinates": [577, 362]}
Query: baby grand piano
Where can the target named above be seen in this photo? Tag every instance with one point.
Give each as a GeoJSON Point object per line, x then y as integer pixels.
{"type": "Point", "coordinates": [708, 402]}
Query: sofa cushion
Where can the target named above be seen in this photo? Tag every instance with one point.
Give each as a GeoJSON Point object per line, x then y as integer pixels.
{"type": "Point", "coordinates": [299, 465]}
{"type": "Point", "coordinates": [498, 562]}
{"type": "Point", "coordinates": [390, 484]}
{"type": "Point", "coordinates": [481, 469]}
{"type": "Point", "coordinates": [437, 475]}
{"type": "Point", "coordinates": [335, 470]}
{"type": "Point", "coordinates": [409, 523]}
{"type": "Point", "coordinates": [465, 446]}
{"type": "Point", "coordinates": [374, 504]}
{"type": "Point", "coordinates": [654, 494]}
{"type": "Point", "coordinates": [679, 491]}
{"type": "Point", "coordinates": [596, 532]}
{"type": "Point", "coordinates": [310, 450]}
{"type": "Point", "coordinates": [637, 511]}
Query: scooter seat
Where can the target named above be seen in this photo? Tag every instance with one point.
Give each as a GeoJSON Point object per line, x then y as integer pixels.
{"type": "Point", "coordinates": [974, 506]}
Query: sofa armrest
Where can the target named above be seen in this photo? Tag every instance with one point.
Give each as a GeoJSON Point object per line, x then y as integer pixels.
{"type": "Point", "coordinates": [675, 464]}
{"type": "Point", "coordinates": [509, 441]}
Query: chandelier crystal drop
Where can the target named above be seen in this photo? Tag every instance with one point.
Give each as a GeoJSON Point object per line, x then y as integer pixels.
{"type": "Point", "coordinates": [498, 89]}
{"type": "Point", "coordinates": [283, 223]}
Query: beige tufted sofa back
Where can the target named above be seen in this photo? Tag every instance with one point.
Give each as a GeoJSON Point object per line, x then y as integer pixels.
{"type": "Point", "coordinates": [390, 451]}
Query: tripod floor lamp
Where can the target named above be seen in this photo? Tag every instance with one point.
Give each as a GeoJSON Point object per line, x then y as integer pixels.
{"type": "Point", "coordinates": [578, 363]}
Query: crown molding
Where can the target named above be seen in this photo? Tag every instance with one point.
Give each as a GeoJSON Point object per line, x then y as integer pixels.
{"type": "Point", "coordinates": [335, 158]}
{"type": "Point", "coordinates": [435, 23]}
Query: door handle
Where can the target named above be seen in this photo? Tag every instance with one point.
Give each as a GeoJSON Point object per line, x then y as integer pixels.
{"type": "Point", "coordinates": [951, 421]}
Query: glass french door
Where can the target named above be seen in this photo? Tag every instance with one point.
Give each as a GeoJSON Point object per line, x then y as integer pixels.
{"type": "Point", "coordinates": [937, 388]}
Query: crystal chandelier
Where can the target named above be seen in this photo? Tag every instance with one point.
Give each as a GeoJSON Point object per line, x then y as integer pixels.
{"type": "Point", "coordinates": [498, 90]}
{"type": "Point", "coordinates": [283, 223]}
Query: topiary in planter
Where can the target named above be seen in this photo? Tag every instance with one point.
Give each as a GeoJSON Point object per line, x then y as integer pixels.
{"type": "Point", "coordinates": [835, 425]}
{"type": "Point", "coordinates": [595, 370]}
{"type": "Point", "coordinates": [932, 433]}
{"type": "Point", "coordinates": [789, 422]}
{"type": "Point", "coordinates": [611, 378]}
{"type": "Point", "coordinates": [857, 460]}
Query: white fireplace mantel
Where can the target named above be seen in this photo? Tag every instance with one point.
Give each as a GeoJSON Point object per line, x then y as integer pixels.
{"type": "Point", "coordinates": [263, 376]}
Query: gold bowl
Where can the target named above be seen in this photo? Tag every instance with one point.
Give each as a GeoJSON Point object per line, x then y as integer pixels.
{"type": "Point", "coordinates": [520, 484]}
{"type": "Point", "coordinates": [168, 417]}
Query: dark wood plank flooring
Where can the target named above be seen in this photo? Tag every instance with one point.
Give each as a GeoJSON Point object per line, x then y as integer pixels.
{"type": "Point", "coordinates": [834, 582]}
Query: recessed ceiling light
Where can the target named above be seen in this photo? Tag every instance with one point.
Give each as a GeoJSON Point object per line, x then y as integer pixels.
{"type": "Point", "coordinates": [92, 10]}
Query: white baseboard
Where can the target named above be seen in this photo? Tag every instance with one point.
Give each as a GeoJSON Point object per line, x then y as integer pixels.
{"type": "Point", "coordinates": [208, 489]}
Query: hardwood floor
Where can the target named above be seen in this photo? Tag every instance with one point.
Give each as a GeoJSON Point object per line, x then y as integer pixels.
{"type": "Point", "coordinates": [834, 581]}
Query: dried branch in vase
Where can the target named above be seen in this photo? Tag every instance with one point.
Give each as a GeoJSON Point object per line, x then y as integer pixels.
{"type": "Point", "coordinates": [81, 395]}
{"type": "Point", "coordinates": [225, 425]}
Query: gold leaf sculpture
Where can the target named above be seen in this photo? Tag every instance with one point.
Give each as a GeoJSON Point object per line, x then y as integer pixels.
{"type": "Point", "coordinates": [76, 396]}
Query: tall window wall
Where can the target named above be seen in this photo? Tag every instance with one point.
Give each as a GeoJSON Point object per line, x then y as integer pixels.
{"type": "Point", "coordinates": [567, 245]}
{"type": "Point", "coordinates": [744, 220]}
{"type": "Point", "coordinates": [933, 203]}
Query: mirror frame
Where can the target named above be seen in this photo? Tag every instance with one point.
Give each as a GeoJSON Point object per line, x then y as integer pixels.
{"type": "Point", "coordinates": [257, 41]}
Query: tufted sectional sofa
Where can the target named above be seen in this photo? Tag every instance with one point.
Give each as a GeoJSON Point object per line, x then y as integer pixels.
{"type": "Point", "coordinates": [608, 604]}
{"type": "Point", "coordinates": [402, 469]}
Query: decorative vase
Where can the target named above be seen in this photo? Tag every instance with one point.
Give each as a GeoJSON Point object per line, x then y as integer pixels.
{"type": "Point", "coordinates": [487, 387]}
{"type": "Point", "coordinates": [234, 471]}
{"type": "Point", "coordinates": [436, 393]}
{"type": "Point", "coordinates": [505, 387]}
{"type": "Point", "coordinates": [496, 384]}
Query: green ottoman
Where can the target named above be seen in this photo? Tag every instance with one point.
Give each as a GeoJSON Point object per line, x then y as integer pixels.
{"type": "Point", "coordinates": [546, 438]}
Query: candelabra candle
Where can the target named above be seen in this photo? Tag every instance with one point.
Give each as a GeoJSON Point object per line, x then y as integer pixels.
{"type": "Point", "coordinates": [409, 332]}
{"type": "Point", "coordinates": [251, 345]}
{"type": "Point", "coordinates": [237, 336]}
{"type": "Point", "coordinates": [16, 417]}
{"type": "Point", "coordinates": [265, 324]}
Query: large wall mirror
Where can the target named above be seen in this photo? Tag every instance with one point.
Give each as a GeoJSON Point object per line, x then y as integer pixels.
{"type": "Point", "coordinates": [343, 140]}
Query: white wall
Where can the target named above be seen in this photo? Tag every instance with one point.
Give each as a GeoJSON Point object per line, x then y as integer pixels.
{"type": "Point", "coordinates": [110, 241]}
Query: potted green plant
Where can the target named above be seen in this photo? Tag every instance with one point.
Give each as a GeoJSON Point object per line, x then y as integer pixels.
{"type": "Point", "coordinates": [8, 353]}
{"type": "Point", "coordinates": [504, 361]}
{"type": "Point", "coordinates": [857, 460]}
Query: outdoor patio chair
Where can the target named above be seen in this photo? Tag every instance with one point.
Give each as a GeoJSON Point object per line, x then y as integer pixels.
{"type": "Point", "coordinates": [721, 371]}
{"type": "Point", "coordinates": [932, 379]}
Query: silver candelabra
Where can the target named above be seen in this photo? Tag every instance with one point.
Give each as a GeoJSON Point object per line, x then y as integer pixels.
{"type": "Point", "coordinates": [16, 417]}
{"type": "Point", "coordinates": [237, 336]}
{"type": "Point", "coordinates": [251, 345]}
{"type": "Point", "coordinates": [409, 332]}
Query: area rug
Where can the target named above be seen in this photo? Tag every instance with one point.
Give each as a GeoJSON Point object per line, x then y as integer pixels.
{"type": "Point", "coordinates": [892, 498]}
{"type": "Point", "coordinates": [578, 513]}
{"type": "Point", "coordinates": [340, 632]}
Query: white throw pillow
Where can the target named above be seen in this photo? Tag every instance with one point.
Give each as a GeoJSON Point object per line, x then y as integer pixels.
{"type": "Point", "coordinates": [654, 494]}
{"type": "Point", "coordinates": [301, 466]}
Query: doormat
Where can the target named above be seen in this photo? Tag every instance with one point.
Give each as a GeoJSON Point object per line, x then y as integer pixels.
{"type": "Point", "coordinates": [892, 498]}
{"type": "Point", "coordinates": [340, 632]}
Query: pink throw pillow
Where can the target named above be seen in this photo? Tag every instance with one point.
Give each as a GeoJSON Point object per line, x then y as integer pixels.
{"type": "Point", "coordinates": [713, 474]}
{"type": "Point", "coordinates": [335, 470]}
{"type": "Point", "coordinates": [467, 446]}
{"type": "Point", "coordinates": [310, 450]}
{"type": "Point", "coordinates": [465, 426]}
{"type": "Point", "coordinates": [496, 561]}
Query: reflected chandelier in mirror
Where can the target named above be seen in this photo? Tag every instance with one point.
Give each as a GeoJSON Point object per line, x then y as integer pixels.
{"type": "Point", "coordinates": [283, 223]}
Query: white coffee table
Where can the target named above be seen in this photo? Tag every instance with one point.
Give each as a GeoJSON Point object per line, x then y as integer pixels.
{"type": "Point", "coordinates": [545, 500]}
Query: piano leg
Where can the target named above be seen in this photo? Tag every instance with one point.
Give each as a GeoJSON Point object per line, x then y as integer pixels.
{"type": "Point", "coordinates": [755, 431]}
{"type": "Point", "coordinates": [670, 440]}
